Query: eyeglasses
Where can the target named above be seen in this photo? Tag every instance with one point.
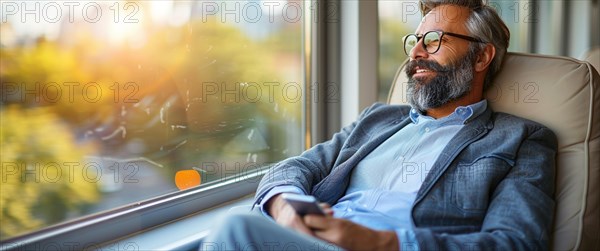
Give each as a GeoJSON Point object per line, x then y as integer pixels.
{"type": "Point", "coordinates": [432, 40]}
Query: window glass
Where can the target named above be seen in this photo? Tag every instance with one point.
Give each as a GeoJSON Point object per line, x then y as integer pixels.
{"type": "Point", "coordinates": [579, 28]}
{"type": "Point", "coordinates": [111, 102]}
{"type": "Point", "coordinates": [519, 16]}
{"type": "Point", "coordinates": [396, 19]}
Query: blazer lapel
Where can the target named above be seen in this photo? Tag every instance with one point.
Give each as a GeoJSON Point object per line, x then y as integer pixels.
{"type": "Point", "coordinates": [472, 131]}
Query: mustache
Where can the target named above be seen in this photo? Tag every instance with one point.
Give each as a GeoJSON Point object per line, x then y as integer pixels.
{"type": "Point", "coordinates": [424, 64]}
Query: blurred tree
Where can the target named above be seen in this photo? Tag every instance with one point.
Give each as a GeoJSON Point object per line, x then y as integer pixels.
{"type": "Point", "coordinates": [220, 84]}
{"type": "Point", "coordinates": [44, 177]}
{"type": "Point", "coordinates": [194, 94]}
{"type": "Point", "coordinates": [50, 76]}
{"type": "Point", "coordinates": [391, 53]}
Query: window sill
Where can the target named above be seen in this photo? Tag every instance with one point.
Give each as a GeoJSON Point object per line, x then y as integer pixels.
{"type": "Point", "coordinates": [182, 234]}
{"type": "Point", "coordinates": [95, 231]}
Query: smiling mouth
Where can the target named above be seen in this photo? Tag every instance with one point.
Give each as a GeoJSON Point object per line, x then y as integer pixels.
{"type": "Point", "coordinates": [422, 71]}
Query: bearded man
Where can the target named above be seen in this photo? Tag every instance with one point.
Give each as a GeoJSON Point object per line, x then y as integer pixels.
{"type": "Point", "coordinates": [445, 173]}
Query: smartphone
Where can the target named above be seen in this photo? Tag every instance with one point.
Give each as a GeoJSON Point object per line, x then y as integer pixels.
{"type": "Point", "coordinates": [303, 204]}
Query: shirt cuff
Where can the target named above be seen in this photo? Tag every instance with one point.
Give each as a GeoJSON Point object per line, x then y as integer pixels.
{"type": "Point", "coordinates": [275, 191]}
{"type": "Point", "coordinates": [407, 239]}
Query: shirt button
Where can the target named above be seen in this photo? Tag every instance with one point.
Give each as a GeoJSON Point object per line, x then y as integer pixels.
{"type": "Point", "coordinates": [426, 129]}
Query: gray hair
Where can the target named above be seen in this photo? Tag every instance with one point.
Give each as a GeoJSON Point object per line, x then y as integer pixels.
{"type": "Point", "coordinates": [483, 23]}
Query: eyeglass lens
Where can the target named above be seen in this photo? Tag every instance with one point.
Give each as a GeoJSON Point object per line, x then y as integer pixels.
{"type": "Point", "coordinates": [431, 42]}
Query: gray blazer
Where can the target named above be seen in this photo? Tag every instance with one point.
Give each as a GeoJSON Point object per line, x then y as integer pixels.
{"type": "Point", "coordinates": [491, 187]}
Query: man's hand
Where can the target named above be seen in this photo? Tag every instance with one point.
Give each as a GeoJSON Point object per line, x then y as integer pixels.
{"type": "Point", "coordinates": [285, 215]}
{"type": "Point", "coordinates": [350, 235]}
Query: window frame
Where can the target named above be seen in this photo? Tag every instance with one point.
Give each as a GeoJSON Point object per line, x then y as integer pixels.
{"type": "Point", "coordinates": [98, 229]}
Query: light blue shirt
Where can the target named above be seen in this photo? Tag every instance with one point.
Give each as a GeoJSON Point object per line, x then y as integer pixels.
{"type": "Point", "coordinates": [384, 185]}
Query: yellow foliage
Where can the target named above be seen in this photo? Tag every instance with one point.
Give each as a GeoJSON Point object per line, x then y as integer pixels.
{"type": "Point", "coordinates": [167, 76]}
{"type": "Point", "coordinates": [35, 176]}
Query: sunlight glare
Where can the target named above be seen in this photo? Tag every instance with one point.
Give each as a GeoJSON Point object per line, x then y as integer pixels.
{"type": "Point", "coordinates": [130, 33]}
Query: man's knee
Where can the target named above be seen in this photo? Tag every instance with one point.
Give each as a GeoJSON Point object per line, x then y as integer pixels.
{"type": "Point", "coordinates": [233, 232]}
{"type": "Point", "coordinates": [234, 225]}
{"type": "Point", "coordinates": [242, 220]}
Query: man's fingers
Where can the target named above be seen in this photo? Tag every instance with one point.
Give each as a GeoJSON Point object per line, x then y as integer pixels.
{"type": "Point", "coordinates": [331, 234]}
{"type": "Point", "coordinates": [289, 218]}
{"type": "Point", "coordinates": [300, 227]}
{"type": "Point", "coordinates": [316, 221]}
{"type": "Point", "coordinates": [323, 235]}
{"type": "Point", "coordinates": [326, 208]}
{"type": "Point", "coordinates": [324, 205]}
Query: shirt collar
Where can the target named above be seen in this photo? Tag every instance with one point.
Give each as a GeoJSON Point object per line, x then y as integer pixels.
{"type": "Point", "coordinates": [461, 113]}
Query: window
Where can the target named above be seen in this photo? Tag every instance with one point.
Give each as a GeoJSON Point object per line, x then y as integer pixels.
{"type": "Point", "coordinates": [396, 19]}
{"type": "Point", "coordinates": [519, 16]}
{"type": "Point", "coordinates": [565, 28]}
{"type": "Point", "coordinates": [108, 103]}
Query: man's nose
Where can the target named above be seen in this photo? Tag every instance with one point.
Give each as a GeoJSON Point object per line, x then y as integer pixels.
{"type": "Point", "coordinates": [418, 51]}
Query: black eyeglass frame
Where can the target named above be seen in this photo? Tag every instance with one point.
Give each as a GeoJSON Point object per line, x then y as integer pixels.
{"type": "Point", "coordinates": [441, 33]}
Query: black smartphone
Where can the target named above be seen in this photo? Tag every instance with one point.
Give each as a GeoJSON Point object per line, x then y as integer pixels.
{"type": "Point", "coordinates": [303, 204]}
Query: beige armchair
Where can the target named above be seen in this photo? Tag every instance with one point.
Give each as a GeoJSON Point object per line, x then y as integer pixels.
{"type": "Point", "coordinates": [593, 57]}
{"type": "Point", "coordinates": [563, 94]}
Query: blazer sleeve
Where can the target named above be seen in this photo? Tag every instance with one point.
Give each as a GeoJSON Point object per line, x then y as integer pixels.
{"type": "Point", "coordinates": [311, 166]}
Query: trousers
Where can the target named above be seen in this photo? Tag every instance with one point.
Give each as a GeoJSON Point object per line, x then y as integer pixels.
{"type": "Point", "coordinates": [251, 231]}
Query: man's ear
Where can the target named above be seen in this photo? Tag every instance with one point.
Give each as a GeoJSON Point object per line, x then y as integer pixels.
{"type": "Point", "coordinates": [485, 58]}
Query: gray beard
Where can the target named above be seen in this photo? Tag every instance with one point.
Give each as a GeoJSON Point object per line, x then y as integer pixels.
{"type": "Point", "coordinates": [451, 83]}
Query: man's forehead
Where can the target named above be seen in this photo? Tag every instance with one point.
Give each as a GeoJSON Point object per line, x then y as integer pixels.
{"type": "Point", "coordinates": [450, 18]}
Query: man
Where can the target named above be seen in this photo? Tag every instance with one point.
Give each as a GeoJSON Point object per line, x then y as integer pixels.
{"type": "Point", "coordinates": [448, 173]}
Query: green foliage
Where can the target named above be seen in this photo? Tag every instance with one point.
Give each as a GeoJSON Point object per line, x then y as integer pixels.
{"type": "Point", "coordinates": [42, 171]}
{"type": "Point", "coordinates": [391, 53]}
{"type": "Point", "coordinates": [179, 99]}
